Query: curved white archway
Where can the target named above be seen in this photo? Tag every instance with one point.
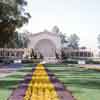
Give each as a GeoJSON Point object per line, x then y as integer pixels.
{"type": "Point", "coordinates": [46, 47]}
{"type": "Point", "coordinates": [47, 43]}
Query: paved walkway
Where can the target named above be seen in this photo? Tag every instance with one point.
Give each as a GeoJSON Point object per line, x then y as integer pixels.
{"type": "Point", "coordinates": [41, 85]}
{"type": "Point", "coordinates": [91, 66]}
{"type": "Point", "coordinates": [9, 69]}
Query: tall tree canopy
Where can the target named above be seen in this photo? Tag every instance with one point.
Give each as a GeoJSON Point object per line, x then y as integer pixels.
{"type": "Point", "coordinates": [63, 38]}
{"type": "Point", "coordinates": [20, 40]}
{"type": "Point", "coordinates": [12, 15]}
{"type": "Point", "coordinates": [73, 41]}
{"type": "Point", "coordinates": [55, 29]}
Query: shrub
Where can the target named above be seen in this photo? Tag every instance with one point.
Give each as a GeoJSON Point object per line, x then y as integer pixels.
{"type": "Point", "coordinates": [70, 61]}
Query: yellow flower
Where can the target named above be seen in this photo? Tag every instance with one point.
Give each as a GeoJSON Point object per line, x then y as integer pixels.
{"type": "Point", "coordinates": [40, 87]}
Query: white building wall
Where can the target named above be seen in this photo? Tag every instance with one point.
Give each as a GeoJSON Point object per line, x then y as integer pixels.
{"type": "Point", "coordinates": [52, 37]}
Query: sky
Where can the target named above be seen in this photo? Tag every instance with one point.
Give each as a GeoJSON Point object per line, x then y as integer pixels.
{"type": "Point", "coordinates": [71, 16]}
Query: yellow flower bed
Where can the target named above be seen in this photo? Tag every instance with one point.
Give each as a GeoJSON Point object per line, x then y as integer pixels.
{"type": "Point", "coordinates": [40, 87]}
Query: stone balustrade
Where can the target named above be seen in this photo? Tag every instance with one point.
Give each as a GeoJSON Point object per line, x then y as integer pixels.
{"type": "Point", "coordinates": [14, 52]}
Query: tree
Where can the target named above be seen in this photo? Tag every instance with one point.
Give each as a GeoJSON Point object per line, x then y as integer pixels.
{"type": "Point", "coordinates": [15, 42]}
{"type": "Point", "coordinates": [32, 53]}
{"type": "Point", "coordinates": [55, 29]}
{"type": "Point", "coordinates": [63, 55]}
{"type": "Point", "coordinates": [63, 38]}
{"type": "Point", "coordinates": [41, 56]}
{"type": "Point", "coordinates": [83, 47]}
{"type": "Point", "coordinates": [73, 41]}
{"type": "Point", "coordinates": [35, 56]}
{"type": "Point", "coordinates": [12, 16]}
{"type": "Point", "coordinates": [25, 40]}
{"type": "Point", "coordinates": [19, 40]}
{"type": "Point", "coordinates": [57, 55]}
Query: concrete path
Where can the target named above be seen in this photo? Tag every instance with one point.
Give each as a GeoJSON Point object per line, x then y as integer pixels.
{"type": "Point", "coordinates": [9, 69]}
{"type": "Point", "coordinates": [91, 66]}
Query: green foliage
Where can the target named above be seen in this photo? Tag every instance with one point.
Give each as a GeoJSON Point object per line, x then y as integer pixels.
{"type": "Point", "coordinates": [32, 53]}
{"type": "Point", "coordinates": [63, 55]}
{"type": "Point", "coordinates": [57, 55]}
{"type": "Point", "coordinates": [19, 40]}
{"type": "Point", "coordinates": [41, 56]}
{"type": "Point", "coordinates": [35, 56]}
{"type": "Point", "coordinates": [92, 62]}
{"type": "Point", "coordinates": [70, 61]}
{"type": "Point", "coordinates": [63, 38]}
{"type": "Point", "coordinates": [11, 18]}
{"type": "Point", "coordinates": [73, 41]}
{"type": "Point", "coordinates": [25, 40]}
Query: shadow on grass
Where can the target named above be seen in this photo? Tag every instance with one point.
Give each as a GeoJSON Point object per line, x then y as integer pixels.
{"type": "Point", "coordinates": [73, 73]}
{"type": "Point", "coordinates": [83, 83]}
{"type": "Point", "coordinates": [12, 81]}
{"type": "Point", "coordinates": [8, 84]}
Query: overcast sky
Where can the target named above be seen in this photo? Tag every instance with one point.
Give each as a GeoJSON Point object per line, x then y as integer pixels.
{"type": "Point", "coordinates": [71, 16]}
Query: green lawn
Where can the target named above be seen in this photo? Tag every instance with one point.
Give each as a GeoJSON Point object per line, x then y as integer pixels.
{"type": "Point", "coordinates": [8, 83]}
{"type": "Point", "coordinates": [84, 83]}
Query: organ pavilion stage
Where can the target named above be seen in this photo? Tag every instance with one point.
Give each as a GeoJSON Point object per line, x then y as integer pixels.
{"type": "Point", "coordinates": [48, 44]}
